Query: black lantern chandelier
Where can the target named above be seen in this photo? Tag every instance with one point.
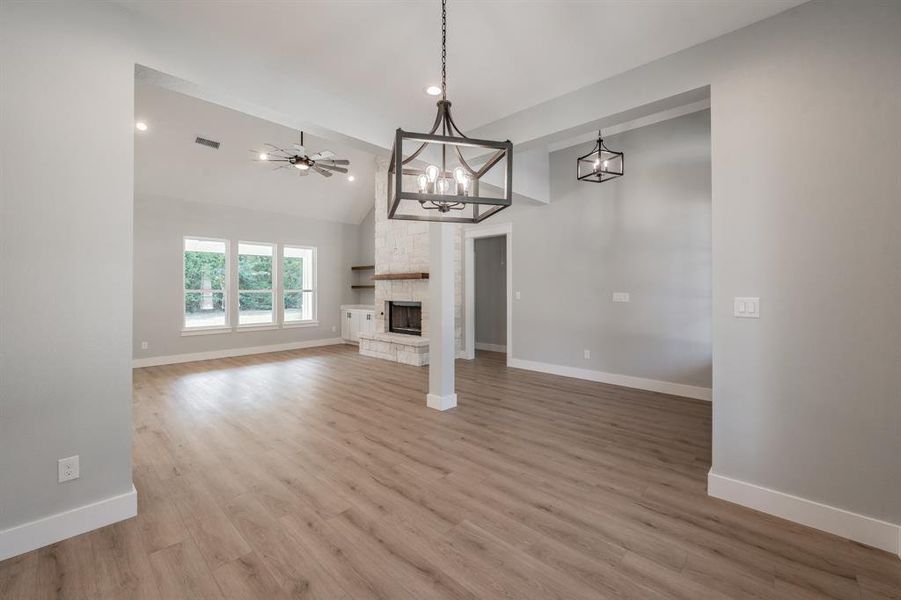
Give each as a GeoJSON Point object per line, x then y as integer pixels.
{"type": "Point", "coordinates": [601, 164]}
{"type": "Point", "coordinates": [435, 182]}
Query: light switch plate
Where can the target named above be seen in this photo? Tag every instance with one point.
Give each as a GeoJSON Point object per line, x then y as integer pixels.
{"type": "Point", "coordinates": [68, 468]}
{"type": "Point", "coordinates": [747, 308]}
{"type": "Point", "coordinates": [620, 296]}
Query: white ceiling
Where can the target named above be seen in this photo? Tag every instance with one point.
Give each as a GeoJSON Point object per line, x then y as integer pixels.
{"type": "Point", "coordinates": [503, 56]}
{"type": "Point", "coordinates": [169, 163]}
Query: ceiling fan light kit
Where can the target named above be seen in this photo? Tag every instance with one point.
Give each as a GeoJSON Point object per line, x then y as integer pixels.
{"type": "Point", "coordinates": [456, 189]}
{"type": "Point", "coordinates": [601, 164]}
{"type": "Point", "coordinates": [323, 162]}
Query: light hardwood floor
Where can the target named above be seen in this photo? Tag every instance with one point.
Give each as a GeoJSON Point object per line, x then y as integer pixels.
{"type": "Point", "coordinates": [321, 474]}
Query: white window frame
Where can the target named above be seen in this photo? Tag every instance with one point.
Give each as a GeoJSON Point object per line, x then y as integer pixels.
{"type": "Point", "coordinates": [274, 324]}
{"type": "Point", "coordinates": [226, 296]}
{"type": "Point", "coordinates": [314, 287]}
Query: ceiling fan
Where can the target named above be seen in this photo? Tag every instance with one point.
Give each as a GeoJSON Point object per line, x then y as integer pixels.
{"type": "Point", "coordinates": [323, 162]}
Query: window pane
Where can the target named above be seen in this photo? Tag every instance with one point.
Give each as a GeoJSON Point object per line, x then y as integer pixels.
{"type": "Point", "coordinates": [204, 309]}
{"type": "Point", "coordinates": [254, 308]}
{"type": "Point", "coordinates": [254, 267]}
{"type": "Point", "coordinates": [204, 265]}
{"type": "Point", "coordinates": [294, 306]}
{"type": "Point", "coordinates": [298, 265]}
{"type": "Point", "coordinates": [293, 273]}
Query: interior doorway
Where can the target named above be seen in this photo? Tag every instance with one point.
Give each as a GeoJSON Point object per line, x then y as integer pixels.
{"type": "Point", "coordinates": [488, 261]}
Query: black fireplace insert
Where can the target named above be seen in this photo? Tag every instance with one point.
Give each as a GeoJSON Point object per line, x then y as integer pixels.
{"type": "Point", "coordinates": [405, 317]}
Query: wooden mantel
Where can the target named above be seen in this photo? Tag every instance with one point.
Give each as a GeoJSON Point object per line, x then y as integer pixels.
{"type": "Point", "coordinates": [395, 276]}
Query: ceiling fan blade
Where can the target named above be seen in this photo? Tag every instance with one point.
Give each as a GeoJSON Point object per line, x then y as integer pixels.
{"type": "Point", "coordinates": [322, 171]}
{"type": "Point", "coordinates": [277, 148]}
{"type": "Point", "coordinates": [338, 161]}
{"type": "Point", "coordinates": [324, 155]}
{"type": "Point", "coordinates": [331, 167]}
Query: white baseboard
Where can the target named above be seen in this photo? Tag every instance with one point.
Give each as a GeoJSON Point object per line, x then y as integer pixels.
{"type": "Point", "coordinates": [651, 385]}
{"type": "Point", "coordinates": [860, 528]}
{"type": "Point", "coordinates": [172, 359]}
{"type": "Point", "coordinates": [441, 402]}
{"type": "Point", "coordinates": [491, 347]}
{"type": "Point", "coordinates": [49, 530]}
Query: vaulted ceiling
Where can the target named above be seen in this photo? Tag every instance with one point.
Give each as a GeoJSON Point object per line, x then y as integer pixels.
{"type": "Point", "coordinates": [168, 162]}
{"type": "Point", "coordinates": [374, 58]}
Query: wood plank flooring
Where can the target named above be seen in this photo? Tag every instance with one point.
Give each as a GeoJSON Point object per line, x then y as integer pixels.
{"type": "Point", "coordinates": [321, 474]}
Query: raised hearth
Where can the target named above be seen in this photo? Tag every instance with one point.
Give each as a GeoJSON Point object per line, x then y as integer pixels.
{"type": "Point", "coordinates": [406, 349]}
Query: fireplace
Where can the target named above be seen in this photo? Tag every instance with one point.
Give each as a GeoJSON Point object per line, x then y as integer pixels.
{"type": "Point", "coordinates": [405, 317]}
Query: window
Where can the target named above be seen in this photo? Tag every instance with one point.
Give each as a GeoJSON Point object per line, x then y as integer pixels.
{"type": "Point", "coordinates": [299, 287]}
{"type": "Point", "coordinates": [205, 283]}
{"type": "Point", "coordinates": [255, 284]}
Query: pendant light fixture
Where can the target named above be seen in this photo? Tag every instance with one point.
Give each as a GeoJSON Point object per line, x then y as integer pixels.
{"type": "Point", "coordinates": [447, 176]}
{"type": "Point", "coordinates": [601, 164]}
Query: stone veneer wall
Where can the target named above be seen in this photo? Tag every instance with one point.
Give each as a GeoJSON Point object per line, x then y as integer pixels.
{"type": "Point", "coordinates": [403, 246]}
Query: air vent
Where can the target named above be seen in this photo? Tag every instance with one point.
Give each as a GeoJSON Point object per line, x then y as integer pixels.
{"type": "Point", "coordinates": [206, 142]}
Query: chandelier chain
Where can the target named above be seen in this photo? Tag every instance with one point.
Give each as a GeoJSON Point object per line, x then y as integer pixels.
{"type": "Point", "coordinates": [444, 49]}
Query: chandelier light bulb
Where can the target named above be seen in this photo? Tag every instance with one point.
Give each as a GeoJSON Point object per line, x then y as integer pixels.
{"type": "Point", "coordinates": [443, 185]}
{"type": "Point", "coordinates": [460, 175]}
{"type": "Point", "coordinates": [423, 183]}
{"type": "Point", "coordinates": [431, 172]}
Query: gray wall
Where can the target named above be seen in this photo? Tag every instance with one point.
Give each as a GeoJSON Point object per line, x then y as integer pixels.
{"type": "Point", "coordinates": [490, 296]}
{"type": "Point", "coordinates": [65, 259]}
{"type": "Point", "coordinates": [365, 256]}
{"type": "Point", "coordinates": [647, 233]}
{"type": "Point", "coordinates": [160, 224]}
{"type": "Point", "coordinates": [806, 397]}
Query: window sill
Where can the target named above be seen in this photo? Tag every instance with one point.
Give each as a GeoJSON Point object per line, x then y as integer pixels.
{"type": "Point", "coordinates": [205, 330]}
{"type": "Point", "coordinates": [292, 324]}
{"type": "Point", "coordinates": [265, 327]}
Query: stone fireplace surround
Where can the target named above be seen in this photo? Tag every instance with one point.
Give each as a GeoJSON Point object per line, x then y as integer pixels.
{"type": "Point", "coordinates": [403, 247]}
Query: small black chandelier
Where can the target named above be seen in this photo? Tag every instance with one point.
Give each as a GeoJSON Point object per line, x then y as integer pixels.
{"type": "Point", "coordinates": [601, 164]}
{"type": "Point", "coordinates": [435, 182]}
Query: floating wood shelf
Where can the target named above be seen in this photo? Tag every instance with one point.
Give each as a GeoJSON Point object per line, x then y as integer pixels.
{"type": "Point", "coordinates": [363, 268]}
{"type": "Point", "coordinates": [362, 287]}
{"type": "Point", "coordinates": [395, 276]}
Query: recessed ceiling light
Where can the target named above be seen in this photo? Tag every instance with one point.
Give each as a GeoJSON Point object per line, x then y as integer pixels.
{"type": "Point", "coordinates": [433, 90]}
{"type": "Point", "coordinates": [350, 177]}
{"type": "Point", "coordinates": [264, 156]}
{"type": "Point", "coordinates": [141, 126]}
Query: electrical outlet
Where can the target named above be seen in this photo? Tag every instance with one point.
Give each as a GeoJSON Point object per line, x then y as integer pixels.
{"type": "Point", "coordinates": [620, 296]}
{"type": "Point", "coordinates": [144, 345]}
{"type": "Point", "coordinates": [587, 354]}
{"type": "Point", "coordinates": [68, 468]}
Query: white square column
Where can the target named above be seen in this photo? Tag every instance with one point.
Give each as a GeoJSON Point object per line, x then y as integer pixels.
{"type": "Point", "coordinates": [441, 317]}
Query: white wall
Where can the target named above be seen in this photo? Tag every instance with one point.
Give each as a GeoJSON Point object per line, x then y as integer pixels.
{"type": "Point", "coordinates": [160, 224]}
{"type": "Point", "coordinates": [490, 262]}
{"type": "Point", "coordinates": [806, 397]}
